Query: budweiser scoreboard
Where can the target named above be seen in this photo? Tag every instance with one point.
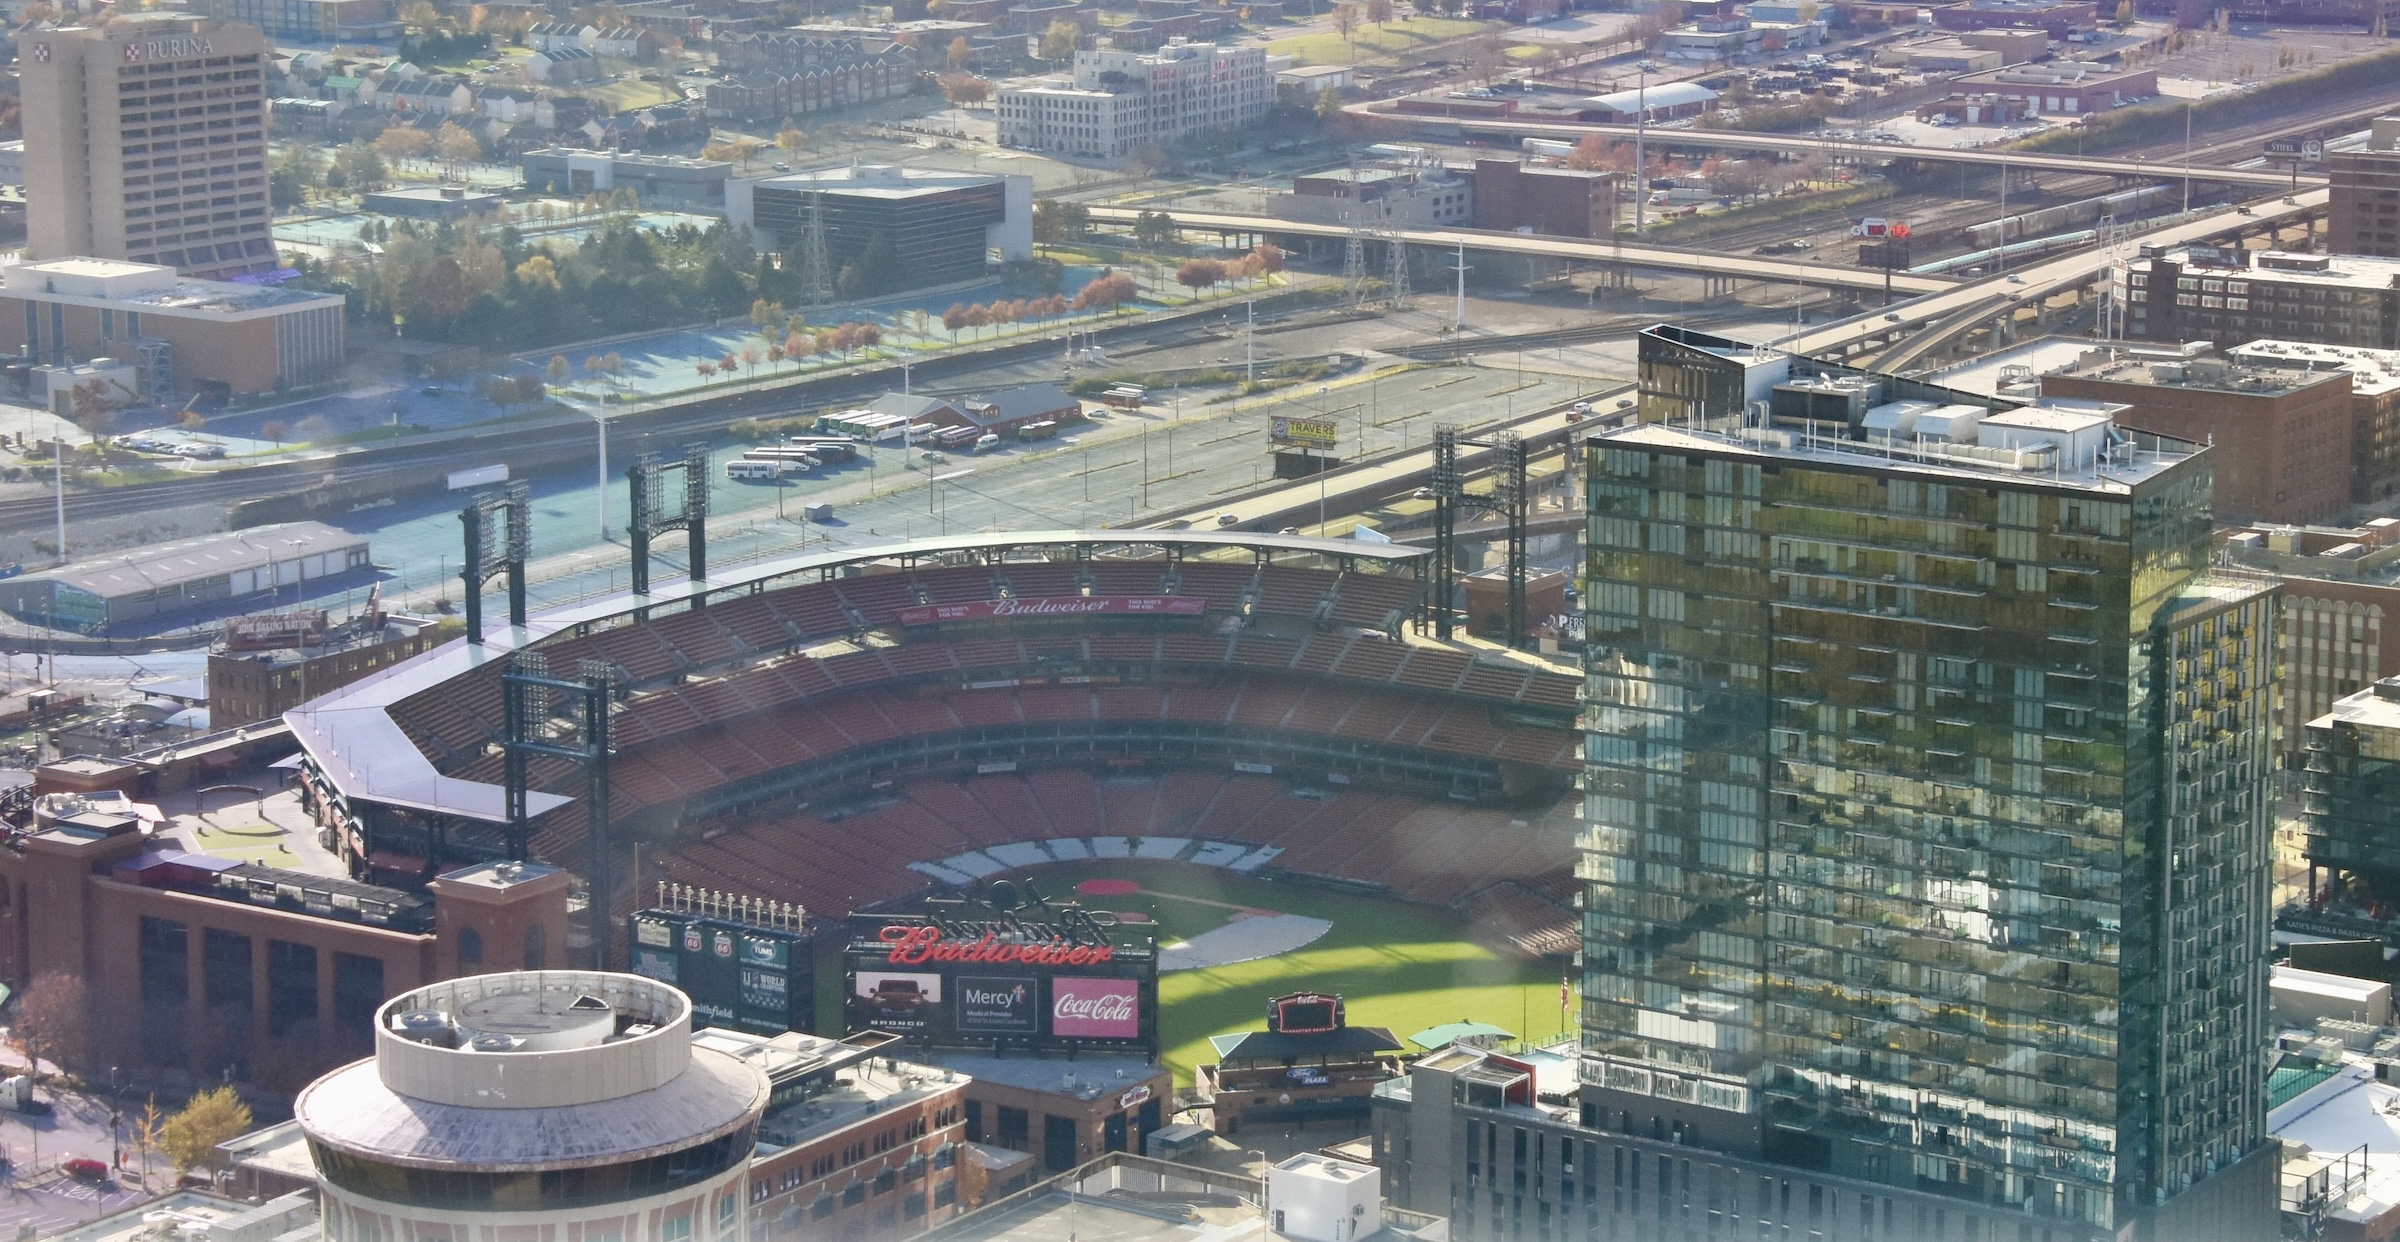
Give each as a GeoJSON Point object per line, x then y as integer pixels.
{"type": "Point", "coordinates": [1013, 976]}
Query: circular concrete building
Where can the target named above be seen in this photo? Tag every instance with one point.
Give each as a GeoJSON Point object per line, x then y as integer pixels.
{"type": "Point", "coordinates": [556, 1099]}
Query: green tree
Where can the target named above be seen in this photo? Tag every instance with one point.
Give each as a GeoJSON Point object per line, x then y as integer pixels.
{"type": "Point", "coordinates": [1329, 104]}
{"type": "Point", "coordinates": [295, 172]}
{"type": "Point", "coordinates": [1060, 41]}
{"type": "Point", "coordinates": [1058, 220]}
{"type": "Point", "coordinates": [1153, 229]}
{"type": "Point", "coordinates": [190, 1137]}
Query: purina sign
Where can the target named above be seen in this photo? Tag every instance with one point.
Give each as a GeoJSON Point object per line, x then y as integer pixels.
{"type": "Point", "coordinates": [168, 49]}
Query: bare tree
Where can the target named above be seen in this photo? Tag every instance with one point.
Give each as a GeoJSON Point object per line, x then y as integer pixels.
{"type": "Point", "coordinates": [54, 1020]}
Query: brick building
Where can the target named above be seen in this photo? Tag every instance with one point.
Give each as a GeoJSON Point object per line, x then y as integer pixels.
{"type": "Point", "coordinates": [2202, 293]}
{"type": "Point", "coordinates": [1063, 1112]}
{"type": "Point", "coordinates": [2283, 434]}
{"type": "Point", "coordinates": [780, 75]}
{"type": "Point", "coordinates": [2340, 625]}
{"type": "Point", "coordinates": [251, 338]}
{"type": "Point", "coordinates": [2374, 404]}
{"type": "Point", "coordinates": [202, 963]}
{"type": "Point", "coordinates": [2363, 194]}
{"type": "Point", "coordinates": [2065, 88]}
{"type": "Point", "coordinates": [1562, 202]}
{"type": "Point", "coordinates": [251, 683]}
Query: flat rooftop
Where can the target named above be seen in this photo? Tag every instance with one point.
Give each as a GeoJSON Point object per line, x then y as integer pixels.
{"type": "Point", "coordinates": [197, 560]}
{"type": "Point", "coordinates": [2329, 271]}
{"type": "Point", "coordinates": [1084, 1078]}
{"type": "Point", "coordinates": [146, 287]}
{"type": "Point", "coordinates": [204, 1215]}
{"type": "Point", "coordinates": [2110, 478]}
{"type": "Point", "coordinates": [862, 1085]}
{"type": "Point", "coordinates": [2366, 709]}
{"type": "Point", "coordinates": [2151, 369]}
{"type": "Point", "coordinates": [2373, 372]}
{"type": "Point", "coordinates": [888, 181]}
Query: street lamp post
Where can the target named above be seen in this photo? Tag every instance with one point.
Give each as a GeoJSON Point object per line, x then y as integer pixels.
{"type": "Point", "coordinates": [600, 499]}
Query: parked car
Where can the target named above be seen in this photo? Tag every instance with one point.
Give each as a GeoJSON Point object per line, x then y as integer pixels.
{"type": "Point", "coordinates": [87, 1170]}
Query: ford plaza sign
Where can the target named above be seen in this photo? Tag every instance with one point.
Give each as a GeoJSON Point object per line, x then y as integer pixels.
{"type": "Point", "coordinates": [1056, 606]}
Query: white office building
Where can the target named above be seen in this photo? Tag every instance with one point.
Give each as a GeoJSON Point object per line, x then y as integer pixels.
{"type": "Point", "coordinates": [1119, 100]}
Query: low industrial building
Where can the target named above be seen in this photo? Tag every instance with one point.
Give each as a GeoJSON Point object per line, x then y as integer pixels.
{"type": "Point", "coordinates": [187, 332]}
{"type": "Point", "coordinates": [2283, 433]}
{"type": "Point", "coordinates": [1666, 101]}
{"type": "Point", "coordinates": [943, 227]}
{"type": "Point", "coordinates": [1512, 196]}
{"type": "Point", "coordinates": [1378, 197]}
{"type": "Point", "coordinates": [433, 202]}
{"type": "Point", "coordinates": [183, 576]}
{"type": "Point", "coordinates": [1005, 412]}
{"type": "Point", "coordinates": [659, 180]}
{"type": "Point", "coordinates": [2063, 88]}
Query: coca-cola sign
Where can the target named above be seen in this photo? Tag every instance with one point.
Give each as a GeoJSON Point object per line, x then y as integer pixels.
{"type": "Point", "coordinates": [1056, 606]}
{"type": "Point", "coordinates": [1095, 1007]}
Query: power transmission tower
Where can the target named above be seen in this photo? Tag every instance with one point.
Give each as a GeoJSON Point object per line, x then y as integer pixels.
{"type": "Point", "coordinates": [816, 278]}
{"type": "Point", "coordinates": [1354, 267]}
{"type": "Point", "coordinates": [1396, 261]}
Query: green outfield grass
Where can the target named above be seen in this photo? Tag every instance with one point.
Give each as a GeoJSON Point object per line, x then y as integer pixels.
{"type": "Point", "coordinates": [1397, 964]}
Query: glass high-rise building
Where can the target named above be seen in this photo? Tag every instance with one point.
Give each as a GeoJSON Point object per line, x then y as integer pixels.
{"type": "Point", "coordinates": [1928, 798]}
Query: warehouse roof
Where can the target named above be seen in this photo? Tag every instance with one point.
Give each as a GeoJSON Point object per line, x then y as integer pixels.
{"type": "Point", "coordinates": [1663, 95]}
{"type": "Point", "coordinates": [144, 570]}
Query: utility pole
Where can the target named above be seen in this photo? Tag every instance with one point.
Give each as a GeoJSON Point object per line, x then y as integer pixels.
{"type": "Point", "coordinates": [58, 459]}
{"type": "Point", "coordinates": [1458, 322]}
{"type": "Point", "coordinates": [1249, 352]}
{"type": "Point", "coordinates": [1641, 166]}
{"type": "Point", "coordinates": [2187, 158]}
{"type": "Point", "coordinates": [600, 495]}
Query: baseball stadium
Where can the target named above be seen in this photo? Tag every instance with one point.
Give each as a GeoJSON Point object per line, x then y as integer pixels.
{"type": "Point", "coordinates": [1246, 738]}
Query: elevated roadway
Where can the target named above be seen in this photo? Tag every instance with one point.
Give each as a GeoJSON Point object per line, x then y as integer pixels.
{"type": "Point", "coordinates": [1735, 140]}
{"type": "Point", "coordinates": [1667, 258]}
{"type": "Point", "coordinates": [1929, 322]}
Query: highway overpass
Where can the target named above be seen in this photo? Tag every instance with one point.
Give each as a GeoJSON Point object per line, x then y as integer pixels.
{"type": "Point", "coordinates": [1929, 322]}
{"type": "Point", "coordinates": [1665, 258]}
{"type": "Point", "coordinates": [1661, 137]}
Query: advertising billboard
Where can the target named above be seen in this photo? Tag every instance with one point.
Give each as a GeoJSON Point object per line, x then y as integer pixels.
{"type": "Point", "coordinates": [1001, 1005]}
{"type": "Point", "coordinates": [1001, 972]}
{"type": "Point", "coordinates": [1315, 433]}
{"type": "Point", "coordinates": [1095, 1007]}
{"type": "Point", "coordinates": [1056, 606]}
{"type": "Point", "coordinates": [748, 978]}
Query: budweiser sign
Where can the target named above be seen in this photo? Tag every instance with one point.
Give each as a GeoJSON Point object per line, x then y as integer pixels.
{"type": "Point", "coordinates": [1057, 606]}
{"type": "Point", "coordinates": [923, 943]}
{"type": "Point", "coordinates": [1095, 1008]}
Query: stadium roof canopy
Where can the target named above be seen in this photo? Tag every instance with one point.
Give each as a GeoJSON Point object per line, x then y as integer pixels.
{"type": "Point", "coordinates": [366, 756]}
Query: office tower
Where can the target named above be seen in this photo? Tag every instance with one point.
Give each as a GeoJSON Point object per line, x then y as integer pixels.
{"type": "Point", "coordinates": [145, 139]}
{"type": "Point", "coordinates": [1927, 787]}
{"type": "Point", "coordinates": [2362, 208]}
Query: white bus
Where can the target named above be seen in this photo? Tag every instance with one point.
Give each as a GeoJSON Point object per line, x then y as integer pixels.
{"type": "Point", "coordinates": [767, 471]}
